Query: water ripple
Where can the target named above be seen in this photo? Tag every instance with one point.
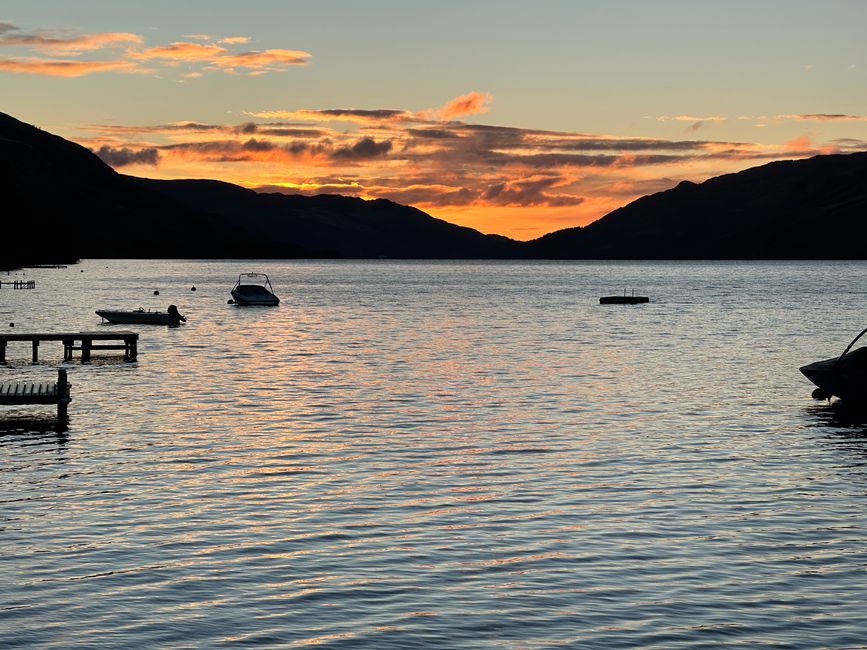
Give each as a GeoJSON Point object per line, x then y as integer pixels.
{"type": "Point", "coordinates": [442, 455]}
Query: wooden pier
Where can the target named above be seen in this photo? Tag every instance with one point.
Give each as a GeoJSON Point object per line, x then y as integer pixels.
{"type": "Point", "coordinates": [29, 392]}
{"type": "Point", "coordinates": [86, 342]}
{"type": "Point", "coordinates": [18, 284]}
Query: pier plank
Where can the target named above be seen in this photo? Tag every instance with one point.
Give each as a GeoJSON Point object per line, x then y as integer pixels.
{"type": "Point", "coordinates": [29, 392]}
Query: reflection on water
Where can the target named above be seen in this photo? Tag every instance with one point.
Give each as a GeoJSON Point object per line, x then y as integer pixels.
{"type": "Point", "coordinates": [439, 455]}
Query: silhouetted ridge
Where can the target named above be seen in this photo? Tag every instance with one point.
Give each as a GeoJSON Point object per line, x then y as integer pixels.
{"type": "Point", "coordinates": [64, 203]}
{"type": "Point", "coordinates": [804, 209]}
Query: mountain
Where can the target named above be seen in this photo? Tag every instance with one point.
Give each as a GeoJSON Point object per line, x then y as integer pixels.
{"type": "Point", "coordinates": [62, 203]}
{"type": "Point", "coordinates": [330, 225]}
{"type": "Point", "coordinates": [796, 209]}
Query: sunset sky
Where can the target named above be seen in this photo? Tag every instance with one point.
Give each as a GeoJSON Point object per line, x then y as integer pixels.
{"type": "Point", "coordinates": [515, 118]}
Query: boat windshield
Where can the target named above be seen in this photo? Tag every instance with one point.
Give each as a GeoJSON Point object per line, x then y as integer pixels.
{"type": "Point", "coordinates": [254, 279]}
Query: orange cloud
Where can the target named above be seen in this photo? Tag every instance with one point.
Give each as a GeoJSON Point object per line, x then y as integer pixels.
{"type": "Point", "coordinates": [62, 67]}
{"type": "Point", "coordinates": [474, 174]}
{"type": "Point", "coordinates": [691, 118]}
{"type": "Point", "coordinates": [470, 104]}
{"type": "Point", "coordinates": [60, 45]}
{"type": "Point", "coordinates": [806, 117]}
{"type": "Point", "coordinates": [179, 51]}
{"type": "Point", "coordinates": [264, 61]}
{"type": "Point", "coordinates": [801, 143]}
{"type": "Point", "coordinates": [357, 115]}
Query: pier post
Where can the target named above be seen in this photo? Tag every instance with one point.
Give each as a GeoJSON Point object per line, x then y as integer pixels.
{"type": "Point", "coordinates": [62, 396]}
{"type": "Point", "coordinates": [35, 351]}
{"type": "Point", "coordinates": [131, 353]}
{"type": "Point", "coordinates": [2, 351]}
{"type": "Point", "coordinates": [85, 349]}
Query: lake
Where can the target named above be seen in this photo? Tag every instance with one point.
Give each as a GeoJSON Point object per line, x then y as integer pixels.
{"type": "Point", "coordinates": [438, 454]}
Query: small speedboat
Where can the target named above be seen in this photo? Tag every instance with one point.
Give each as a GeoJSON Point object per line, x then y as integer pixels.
{"type": "Point", "coordinates": [254, 289]}
{"type": "Point", "coordinates": [844, 376]}
{"type": "Point", "coordinates": [141, 317]}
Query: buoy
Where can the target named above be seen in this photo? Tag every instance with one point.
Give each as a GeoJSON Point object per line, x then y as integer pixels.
{"type": "Point", "coordinates": [156, 292]}
{"type": "Point", "coordinates": [11, 324]}
{"type": "Point", "coordinates": [820, 394]}
{"type": "Point", "coordinates": [230, 302]}
{"type": "Point", "coordinates": [192, 288]}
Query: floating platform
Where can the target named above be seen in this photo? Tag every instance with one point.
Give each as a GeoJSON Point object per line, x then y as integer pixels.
{"type": "Point", "coordinates": [623, 300]}
{"type": "Point", "coordinates": [18, 284]}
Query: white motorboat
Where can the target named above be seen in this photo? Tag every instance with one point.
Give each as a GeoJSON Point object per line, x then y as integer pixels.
{"type": "Point", "coordinates": [141, 317]}
{"type": "Point", "coordinates": [254, 289]}
{"type": "Point", "coordinates": [844, 376]}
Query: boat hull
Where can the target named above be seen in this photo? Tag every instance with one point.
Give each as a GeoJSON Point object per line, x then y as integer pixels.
{"type": "Point", "coordinates": [135, 317]}
{"type": "Point", "coordinates": [244, 299]}
{"type": "Point", "coordinates": [844, 378]}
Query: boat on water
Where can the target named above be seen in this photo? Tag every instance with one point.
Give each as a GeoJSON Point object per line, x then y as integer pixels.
{"type": "Point", "coordinates": [844, 376]}
{"type": "Point", "coordinates": [623, 300]}
{"type": "Point", "coordinates": [171, 316]}
{"type": "Point", "coordinates": [254, 289]}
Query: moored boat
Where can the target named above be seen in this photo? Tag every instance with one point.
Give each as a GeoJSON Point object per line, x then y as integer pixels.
{"type": "Point", "coordinates": [844, 376]}
{"type": "Point", "coordinates": [141, 317]}
{"type": "Point", "coordinates": [253, 289]}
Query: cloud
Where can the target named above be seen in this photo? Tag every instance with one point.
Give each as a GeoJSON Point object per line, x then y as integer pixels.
{"type": "Point", "coordinates": [428, 196]}
{"type": "Point", "coordinates": [357, 115]}
{"type": "Point", "coordinates": [222, 59]}
{"type": "Point", "coordinates": [690, 118]}
{"type": "Point", "coordinates": [435, 134]}
{"type": "Point", "coordinates": [849, 145]}
{"type": "Point", "coordinates": [799, 144]}
{"type": "Point", "coordinates": [529, 192]}
{"type": "Point", "coordinates": [470, 104]}
{"type": "Point", "coordinates": [71, 45]}
{"type": "Point", "coordinates": [425, 159]}
{"type": "Point", "coordinates": [180, 51]}
{"type": "Point", "coordinates": [120, 157]}
{"type": "Point", "coordinates": [200, 52]}
{"type": "Point", "coordinates": [364, 148]}
{"type": "Point", "coordinates": [264, 61]}
{"type": "Point", "coordinates": [274, 129]}
{"type": "Point", "coordinates": [823, 117]}
{"type": "Point", "coordinates": [62, 67]}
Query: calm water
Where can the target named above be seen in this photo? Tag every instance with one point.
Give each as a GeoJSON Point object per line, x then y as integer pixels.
{"type": "Point", "coordinates": [444, 455]}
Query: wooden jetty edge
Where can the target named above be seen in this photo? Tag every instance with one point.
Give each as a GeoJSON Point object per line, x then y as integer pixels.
{"type": "Point", "coordinates": [83, 341]}
{"type": "Point", "coordinates": [49, 392]}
